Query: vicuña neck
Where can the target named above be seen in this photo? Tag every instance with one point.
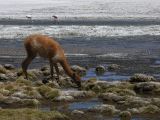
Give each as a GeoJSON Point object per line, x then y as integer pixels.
{"type": "Point", "coordinates": [66, 67]}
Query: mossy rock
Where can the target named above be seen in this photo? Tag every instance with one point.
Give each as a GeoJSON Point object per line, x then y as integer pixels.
{"type": "Point", "coordinates": [3, 70]}
{"type": "Point", "coordinates": [113, 67]}
{"type": "Point", "coordinates": [30, 102]}
{"type": "Point", "coordinates": [125, 115]}
{"type": "Point", "coordinates": [94, 87]}
{"type": "Point", "coordinates": [141, 78]}
{"type": "Point", "coordinates": [23, 81]}
{"type": "Point", "coordinates": [31, 74]}
{"type": "Point", "coordinates": [48, 92]}
{"type": "Point", "coordinates": [150, 109]}
{"type": "Point", "coordinates": [92, 80]}
{"type": "Point", "coordinates": [122, 92]}
{"type": "Point", "coordinates": [30, 114]}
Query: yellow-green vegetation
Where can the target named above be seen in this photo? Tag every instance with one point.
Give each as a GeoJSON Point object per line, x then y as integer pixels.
{"type": "Point", "coordinates": [48, 92]}
{"type": "Point", "coordinates": [30, 114]}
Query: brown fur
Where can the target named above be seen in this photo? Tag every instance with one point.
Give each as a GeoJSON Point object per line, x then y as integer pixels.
{"type": "Point", "coordinates": [47, 47]}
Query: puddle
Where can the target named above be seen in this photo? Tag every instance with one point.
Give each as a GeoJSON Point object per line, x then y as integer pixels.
{"type": "Point", "coordinates": [109, 76]}
{"type": "Point", "coordinates": [157, 62]}
{"type": "Point", "coordinates": [84, 105]}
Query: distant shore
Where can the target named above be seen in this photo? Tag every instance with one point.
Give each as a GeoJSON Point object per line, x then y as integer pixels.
{"type": "Point", "coordinates": [80, 21]}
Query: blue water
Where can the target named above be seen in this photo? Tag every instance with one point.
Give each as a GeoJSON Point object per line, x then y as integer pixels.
{"type": "Point", "coordinates": [83, 105]}
{"type": "Point", "coordinates": [107, 76]}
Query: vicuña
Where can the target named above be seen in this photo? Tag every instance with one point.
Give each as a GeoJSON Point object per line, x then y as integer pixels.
{"type": "Point", "coordinates": [47, 47]}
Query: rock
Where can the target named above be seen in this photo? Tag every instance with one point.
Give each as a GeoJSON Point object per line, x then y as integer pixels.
{"type": "Point", "coordinates": [100, 69]}
{"type": "Point", "coordinates": [113, 67]}
{"type": "Point", "coordinates": [48, 92]}
{"type": "Point", "coordinates": [134, 110]}
{"type": "Point", "coordinates": [46, 73]}
{"type": "Point", "coordinates": [64, 98]}
{"type": "Point", "coordinates": [132, 102]}
{"type": "Point", "coordinates": [77, 112]}
{"type": "Point", "coordinates": [156, 101]}
{"type": "Point", "coordinates": [146, 87]}
{"type": "Point", "coordinates": [111, 97]}
{"type": "Point", "coordinates": [141, 78]}
{"type": "Point", "coordinates": [9, 66]}
{"type": "Point", "coordinates": [150, 109]}
{"type": "Point", "coordinates": [4, 92]}
{"type": "Point", "coordinates": [125, 115]}
{"type": "Point", "coordinates": [53, 84]}
{"type": "Point", "coordinates": [79, 70]}
{"type": "Point", "coordinates": [77, 94]}
{"type": "Point", "coordinates": [44, 68]}
{"type": "Point", "coordinates": [12, 100]}
{"type": "Point", "coordinates": [35, 72]}
{"type": "Point", "coordinates": [29, 102]}
{"type": "Point", "coordinates": [2, 69]}
{"type": "Point", "coordinates": [3, 77]}
{"type": "Point", "coordinates": [11, 75]}
{"type": "Point", "coordinates": [29, 95]}
{"type": "Point", "coordinates": [21, 95]}
{"type": "Point", "coordinates": [104, 108]}
{"type": "Point", "coordinates": [147, 109]}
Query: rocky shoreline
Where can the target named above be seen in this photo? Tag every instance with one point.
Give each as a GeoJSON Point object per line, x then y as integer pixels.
{"type": "Point", "coordinates": [138, 96]}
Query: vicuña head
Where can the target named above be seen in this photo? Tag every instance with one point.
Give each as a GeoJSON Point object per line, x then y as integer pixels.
{"type": "Point", "coordinates": [47, 47]}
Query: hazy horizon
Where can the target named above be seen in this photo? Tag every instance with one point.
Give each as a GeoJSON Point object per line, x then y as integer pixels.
{"type": "Point", "coordinates": [80, 8]}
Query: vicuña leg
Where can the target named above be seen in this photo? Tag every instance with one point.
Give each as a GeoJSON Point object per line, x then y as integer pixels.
{"type": "Point", "coordinates": [25, 64]}
{"type": "Point", "coordinates": [51, 68]}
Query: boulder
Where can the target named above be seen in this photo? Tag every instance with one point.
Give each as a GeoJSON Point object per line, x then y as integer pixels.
{"type": "Point", "coordinates": [79, 70]}
{"type": "Point", "coordinates": [3, 77]}
{"type": "Point", "coordinates": [9, 66]}
{"type": "Point", "coordinates": [21, 95]}
{"type": "Point", "coordinates": [64, 98]}
{"type": "Point", "coordinates": [100, 69]}
{"type": "Point", "coordinates": [77, 112]}
{"type": "Point", "coordinates": [125, 115]}
{"type": "Point", "coordinates": [2, 69]}
{"type": "Point", "coordinates": [149, 109]}
{"type": "Point", "coordinates": [133, 110]}
{"type": "Point", "coordinates": [111, 97]}
{"type": "Point", "coordinates": [113, 67]}
{"type": "Point", "coordinates": [147, 87]}
{"type": "Point", "coordinates": [141, 78]}
{"type": "Point", "coordinates": [77, 94]}
{"type": "Point", "coordinates": [132, 102]}
{"type": "Point", "coordinates": [104, 108]}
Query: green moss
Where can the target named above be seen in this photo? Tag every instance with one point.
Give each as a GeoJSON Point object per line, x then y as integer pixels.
{"type": "Point", "coordinates": [30, 114]}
